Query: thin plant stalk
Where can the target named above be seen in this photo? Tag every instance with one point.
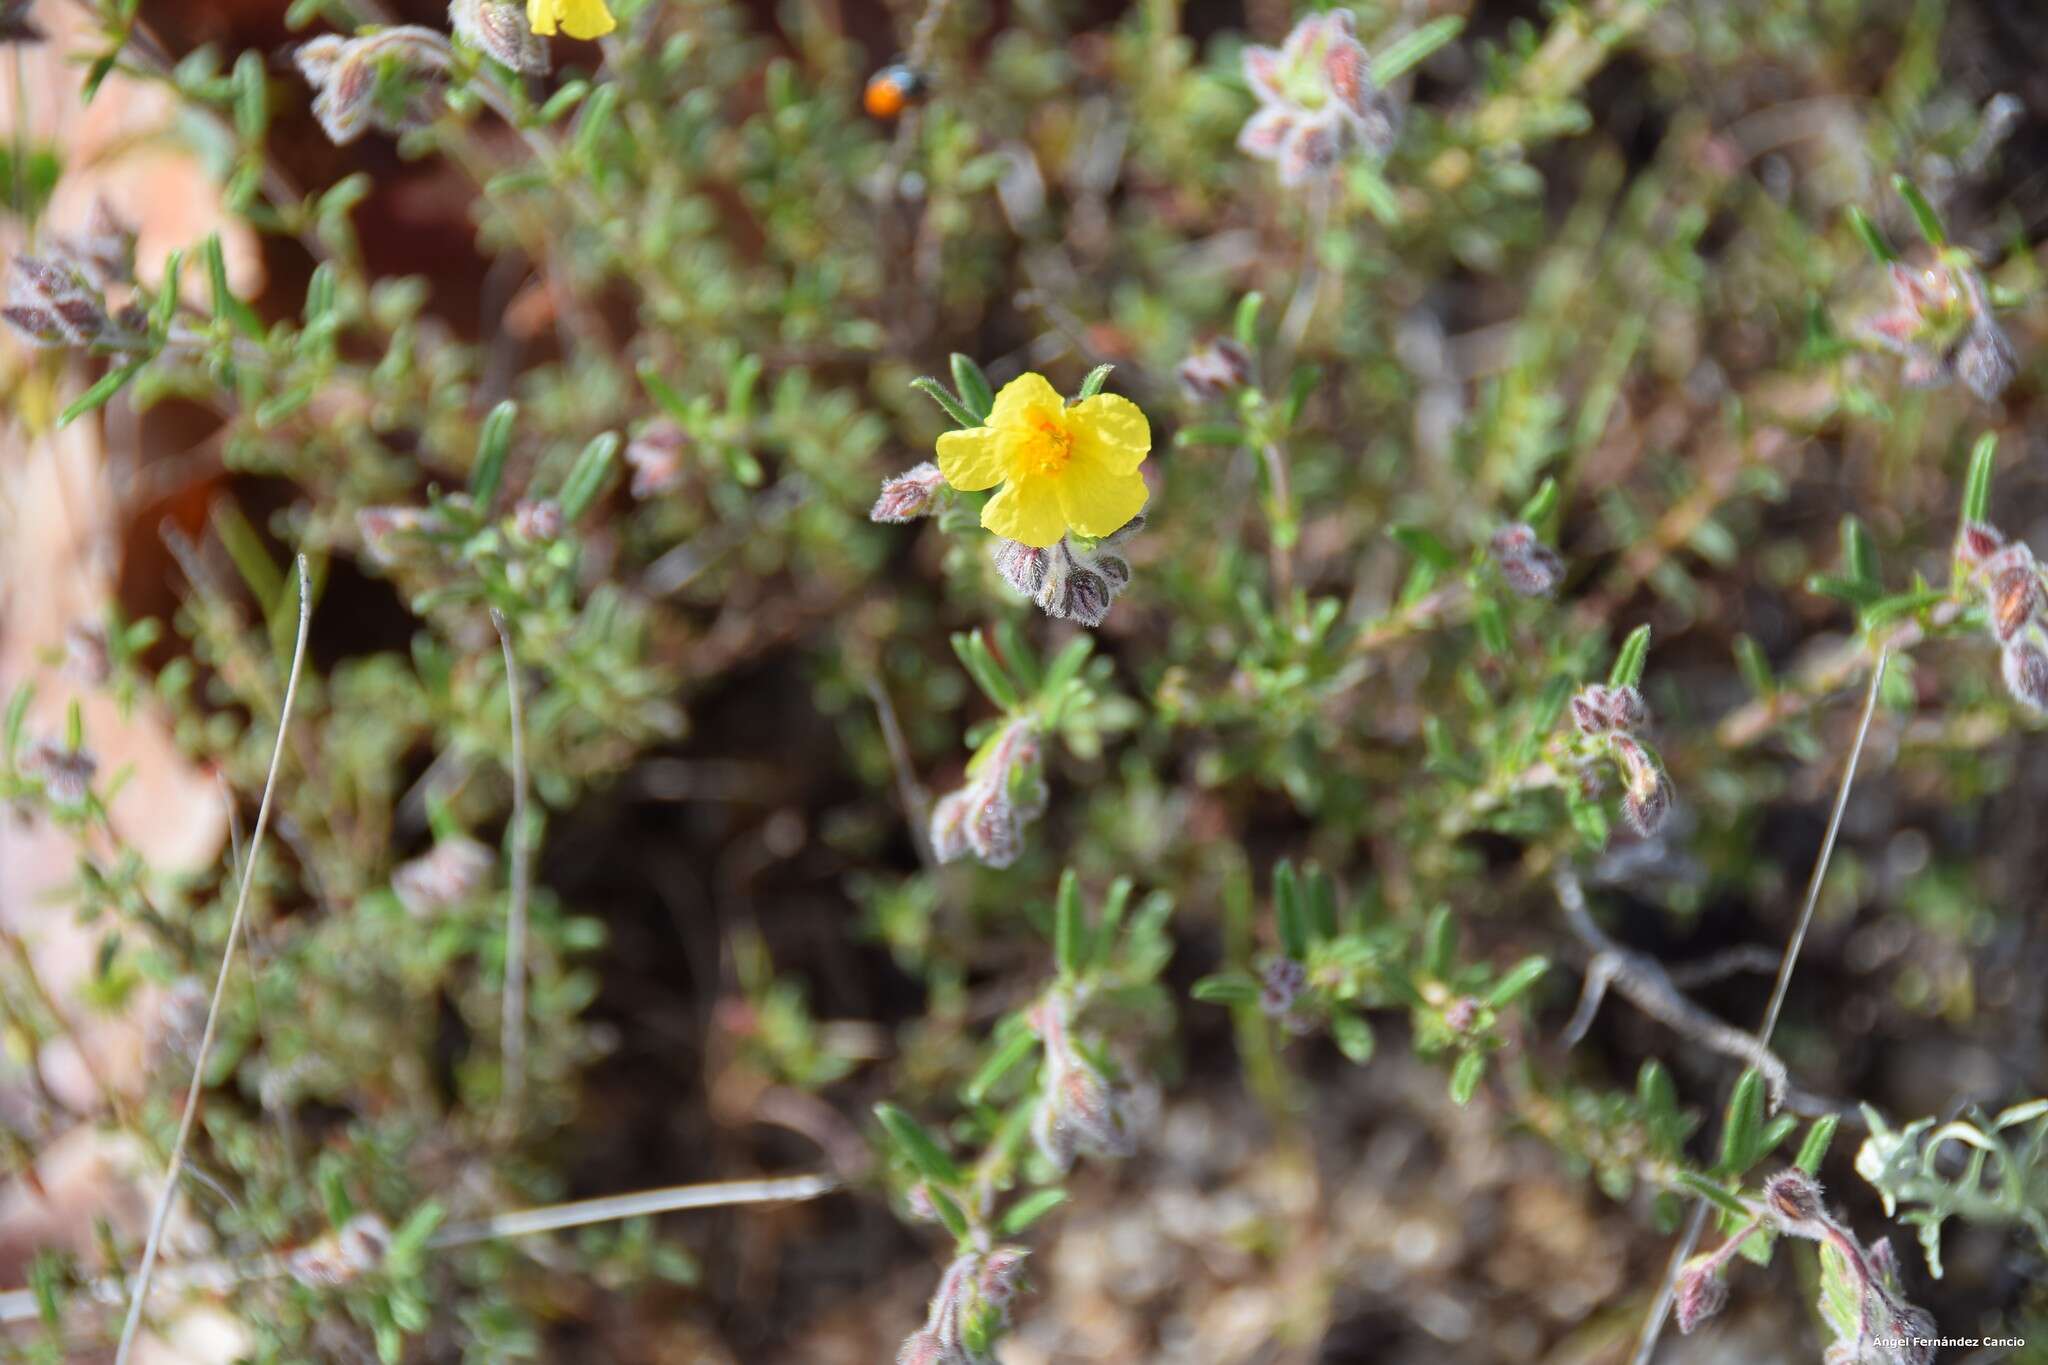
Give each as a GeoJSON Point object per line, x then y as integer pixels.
{"type": "Point", "coordinates": [161, 1214]}
{"type": "Point", "coordinates": [1653, 1327]}
{"type": "Point", "coordinates": [512, 1041]}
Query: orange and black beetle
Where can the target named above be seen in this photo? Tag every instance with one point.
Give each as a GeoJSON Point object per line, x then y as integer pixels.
{"type": "Point", "coordinates": [893, 89]}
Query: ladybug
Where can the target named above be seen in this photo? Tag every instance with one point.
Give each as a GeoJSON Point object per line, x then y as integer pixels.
{"type": "Point", "coordinates": [893, 89]}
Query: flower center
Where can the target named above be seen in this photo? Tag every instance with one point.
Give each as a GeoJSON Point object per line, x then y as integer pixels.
{"type": "Point", "coordinates": [1049, 447]}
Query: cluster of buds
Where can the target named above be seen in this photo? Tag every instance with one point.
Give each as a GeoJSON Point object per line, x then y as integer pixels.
{"type": "Point", "coordinates": [342, 1256]}
{"type": "Point", "coordinates": [907, 496]}
{"type": "Point", "coordinates": [537, 520]}
{"type": "Point", "coordinates": [1607, 719]}
{"type": "Point", "coordinates": [1941, 328]}
{"type": "Point", "coordinates": [2017, 602]}
{"type": "Point", "coordinates": [56, 301]}
{"type": "Point", "coordinates": [1216, 370]}
{"type": "Point", "coordinates": [656, 459]}
{"type": "Point", "coordinates": [1882, 1328]}
{"type": "Point", "coordinates": [970, 1311]}
{"type": "Point", "coordinates": [66, 773]}
{"type": "Point", "coordinates": [1005, 791]}
{"type": "Point", "coordinates": [1068, 582]}
{"type": "Point", "coordinates": [1317, 100]}
{"type": "Point", "coordinates": [1081, 1111]}
{"type": "Point", "coordinates": [499, 29]}
{"type": "Point", "coordinates": [382, 78]}
{"type": "Point", "coordinates": [444, 877]}
{"type": "Point", "coordinates": [1530, 567]}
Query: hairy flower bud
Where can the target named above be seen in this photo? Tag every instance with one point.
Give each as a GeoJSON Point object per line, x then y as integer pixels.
{"type": "Point", "coordinates": [2016, 600]}
{"type": "Point", "coordinates": [1214, 371]}
{"type": "Point", "coordinates": [655, 456]}
{"type": "Point", "coordinates": [1068, 583]}
{"type": "Point", "coordinates": [1001, 1271]}
{"type": "Point", "coordinates": [537, 519]}
{"type": "Point", "coordinates": [1700, 1293]}
{"type": "Point", "coordinates": [1530, 568]}
{"type": "Point", "coordinates": [1004, 792]}
{"type": "Point", "coordinates": [498, 29]}
{"type": "Point", "coordinates": [2024, 664]}
{"type": "Point", "coordinates": [1646, 796]}
{"type": "Point", "coordinates": [66, 773]}
{"type": "Point", "coordinates": [1600, 710]}
{"type": "Point", "coordinates": [386, 531]}
{"type": "Point", "coordinates": [1977, 541]}
{"type": "Point", "coordinates": [1985, 361]}
{"type": "Point", "coordinates": [1284, 981]}
{"type": "Point", "coordinates": [104, 252]}
{"type": "Point", "coordinates": [1794, 1199]}
{"type": "Point", "coordinates": [345, 74]}
{"type": "Point", "coordinates": [51, 302]}
{"type": "Point", "coordinates": [453, 871]}
{"type": "Point", "coordinates": [910, 495]}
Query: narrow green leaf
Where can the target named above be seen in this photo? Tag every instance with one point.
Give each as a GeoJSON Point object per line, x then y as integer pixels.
{"type": "Point", "coordinates": [1227, 988]}
{"type": "Point", "coordinates": [1716, 1194]}
{"type": "Point", "coordinates": [1287, 914]}
{"type": "Point", "coordinates": [1319, 900]}
{"type": "Point", "coordinates": [1541, 507]}
{"type": "Point", "coordinates": [1070, 929]}
{"type": "Point", "coordinates": [1030, 1209]}
{"type": "Point", "coordinates": [1103, 945]}
{"type": "Point", "coordinates": [594, 122]}
{"type": "Point", "coordinates": [225, 305]}
{"type": "Point", "coordinates": [1208, 434]}
{"type": "Point", "coordinates": [988, 675]}
{"type": "Point", "coordinates": [975, 394]}
{"type": "Point", "coordinates": [1092, 385]}
{"type": "Point", "coordinates": [1491, 625]}
{"type": "Point", "coordinates": [1815, 1146]}
{"type": "Point", "coordinates": [934, 390]}
{"type": "Point", "coordinates": [1015, 1045]}
{"type": "Point", "coordinates": [1407, 52]}
{"type": "Point", "coordinates": [1353, 1035]}
{"type": "Point", "coordinates": [110, 383]}
{"type": "Point", "coordinates": [1245, 325]}
{"type": "Point", "coordinates": [1424, 545]}
{"type": "Point", "coordinates": [1466, 1075]}
{"type": "Point", "coordinates": [1754, 667]}
{"type": "Point", "coordinates": [1859, 553]}
{"type": "Point", "coordinates": [1872, 238]}
{"type": "Point", "coordinates": [1977, 486]}
{"type": "Point", "coordinates": [562, 101]}
{"type": "Point", "coordinates": [949, 1212]}
{"type": "Point", "coordinates": [1440, 943]}
{"type": "Point", "coordinates": [1628, 662]}
{"type": "Point", "coordinates": [1742, 1127]}
{"type": "Point", "coordinates": [1924, 215]}
{"type": "Point", "coordinates": [493, 441]}
{"type": "Point", "coordinates": [252, 105]}
{"type": "Point", "coordinates": [918, 1147]}
{"type": "Point", "coordinates": [587, 476]}
{"type": "Point", "coordinates": [1520, 978]}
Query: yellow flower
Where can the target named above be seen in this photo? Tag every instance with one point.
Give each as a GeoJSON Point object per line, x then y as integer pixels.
{"type": "Point", "coordinates": [1061, 467]}
{"type": "Point", "coordinates": [578, 18]}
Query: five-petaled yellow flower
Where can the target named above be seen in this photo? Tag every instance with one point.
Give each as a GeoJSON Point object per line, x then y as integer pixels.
{"type": "Point", "coordinates": [578, 18]}
{"type": "Point", "coordinates": [1061, 467]}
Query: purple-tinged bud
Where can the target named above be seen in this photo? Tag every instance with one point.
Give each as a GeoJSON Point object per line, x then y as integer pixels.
{"type": "Point", "coordinates": [1084, 596]}
{"type": "Point", "coordinates": [1884, 1262]}
{"type": "Point", "coordinates": [917, 1202]}
{"type": "Point", "coordinates": [1461, 1014]}
{"type": "Point", "coordinates": [104, 252]}
{"type": "Point", "coordinates": [1002, 1270]}
{"type": "Point", "coordinates": [537, 519]}
{"type": "Point", "coordinates": [1913, 1335]}
{"type": "Point", "coordinates": [1977, 541]}
{"type": "Point", "coordinates": [948, 830]}
{"type": "Point", "coordinates": [925, 1348]}
{"type": "Point", "coordinates": [993, 829]}
{"type": "Point", "coordinates": [1701, 1293]}
{"type": "Point", "coordinates": [453, 871]}
{"type": "Point", "coordinates": [1985, 361]}
{"type": "Point", "coordinates": [1214, 371]}
{"type": "Point", "coordinates": [1592, 710]}
{"type": "Point", "coordinates": [344, 74]}
{"type": "Point", "coordinates": [87, 659]}
{"type": "Point", "coordinates": [1312, 150]}
{"type": "Point", "coordinates": [2025, 668]}
{"type": "Point", "coordinates": [1023, 567]}
{"type": "Point", "coordinates": [656, 458]}
{"type": "Point", "coordinates": [498, 29]}
{"type": "Point", "coordinates": [52, 303]}
{"type": "Point", "coordinates": [1647, 796]}
{"type": "Point", "coordinates": [1284, 981]}
{"type": "Point", "coordinates": [66, 773]}
{"type": "Point", "coordinates": [1794, 1200]}
{"type": "Point", "coordinates": [1626, 709]}
{"type": "Point", "coordinates": [908, 495]}
{"type": "Point", "coordinates": [2016, 600]}
{"type": "Point", "coordinates": [1529, 567]}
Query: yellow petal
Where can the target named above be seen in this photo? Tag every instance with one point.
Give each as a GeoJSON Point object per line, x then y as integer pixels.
{"type": "Point", "coordinates": [972, 459]}
{"type": "Point", "coordinates": [1110, 428]}
{"type": "Point", "coordinates": [586, 18]}
{"type": "Point", "coordinates": [1096, 498]}
{"type": "Point", "coordinates": [1027, 510]}
{"type": "Point", "coordinates": [540, 16]}
{"type": "Point", "coordinates": [1021, 397]}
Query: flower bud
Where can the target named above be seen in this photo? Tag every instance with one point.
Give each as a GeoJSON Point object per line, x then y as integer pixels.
{"type": "Point", "coordinates": [1700, 1293]}
{"type": "Point", "coordinates": [948, 830]}
{"type": "Point", "coordinates": [450, 874]}
{"type": "Point", "coordinates": [344, 74]}
{"type": "Point", "coordinates": [87, 659]}
{"type": "Point", "coordinates": [66, 773]}
{"type": "Point", "coordinates": [1214, 371]}
{"type": "Point", "coordinates": [1531, 568]}
{"type": "Point", "coordinates": [385, 531]}
{"type": "Point", "coordinates": [51, 303]}
{"type": "Point", "coordinates": [1284, 982]}
{"type": "Point", "coordinates": [909, 495]}
{"type": "Point", "coordinates": [1985, 361]}
{"type": "Point", "coordinates": [1001, 1271]}
{"type": "Point", "coordinates": [537, 519]}
{"type": "Point", "coordinates": [656, 458]}
{"type": "Point", "coordinates": [1646, 798]}
{"type": "Point", "coordinates": [104, 252]}
{"type": "Point", "coordinates": [2016, 599]}
{"type": "Point", "coordinates": [2024, 664]}
{"type": "Point", "coordinates": [925, 1348]}
{"type": "Point", "coordinates": [498, 29]}
{"type": "Point", "coordinates": [1977, 541]}
{"type": "Point", "coordinates": [1794, 1199]}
